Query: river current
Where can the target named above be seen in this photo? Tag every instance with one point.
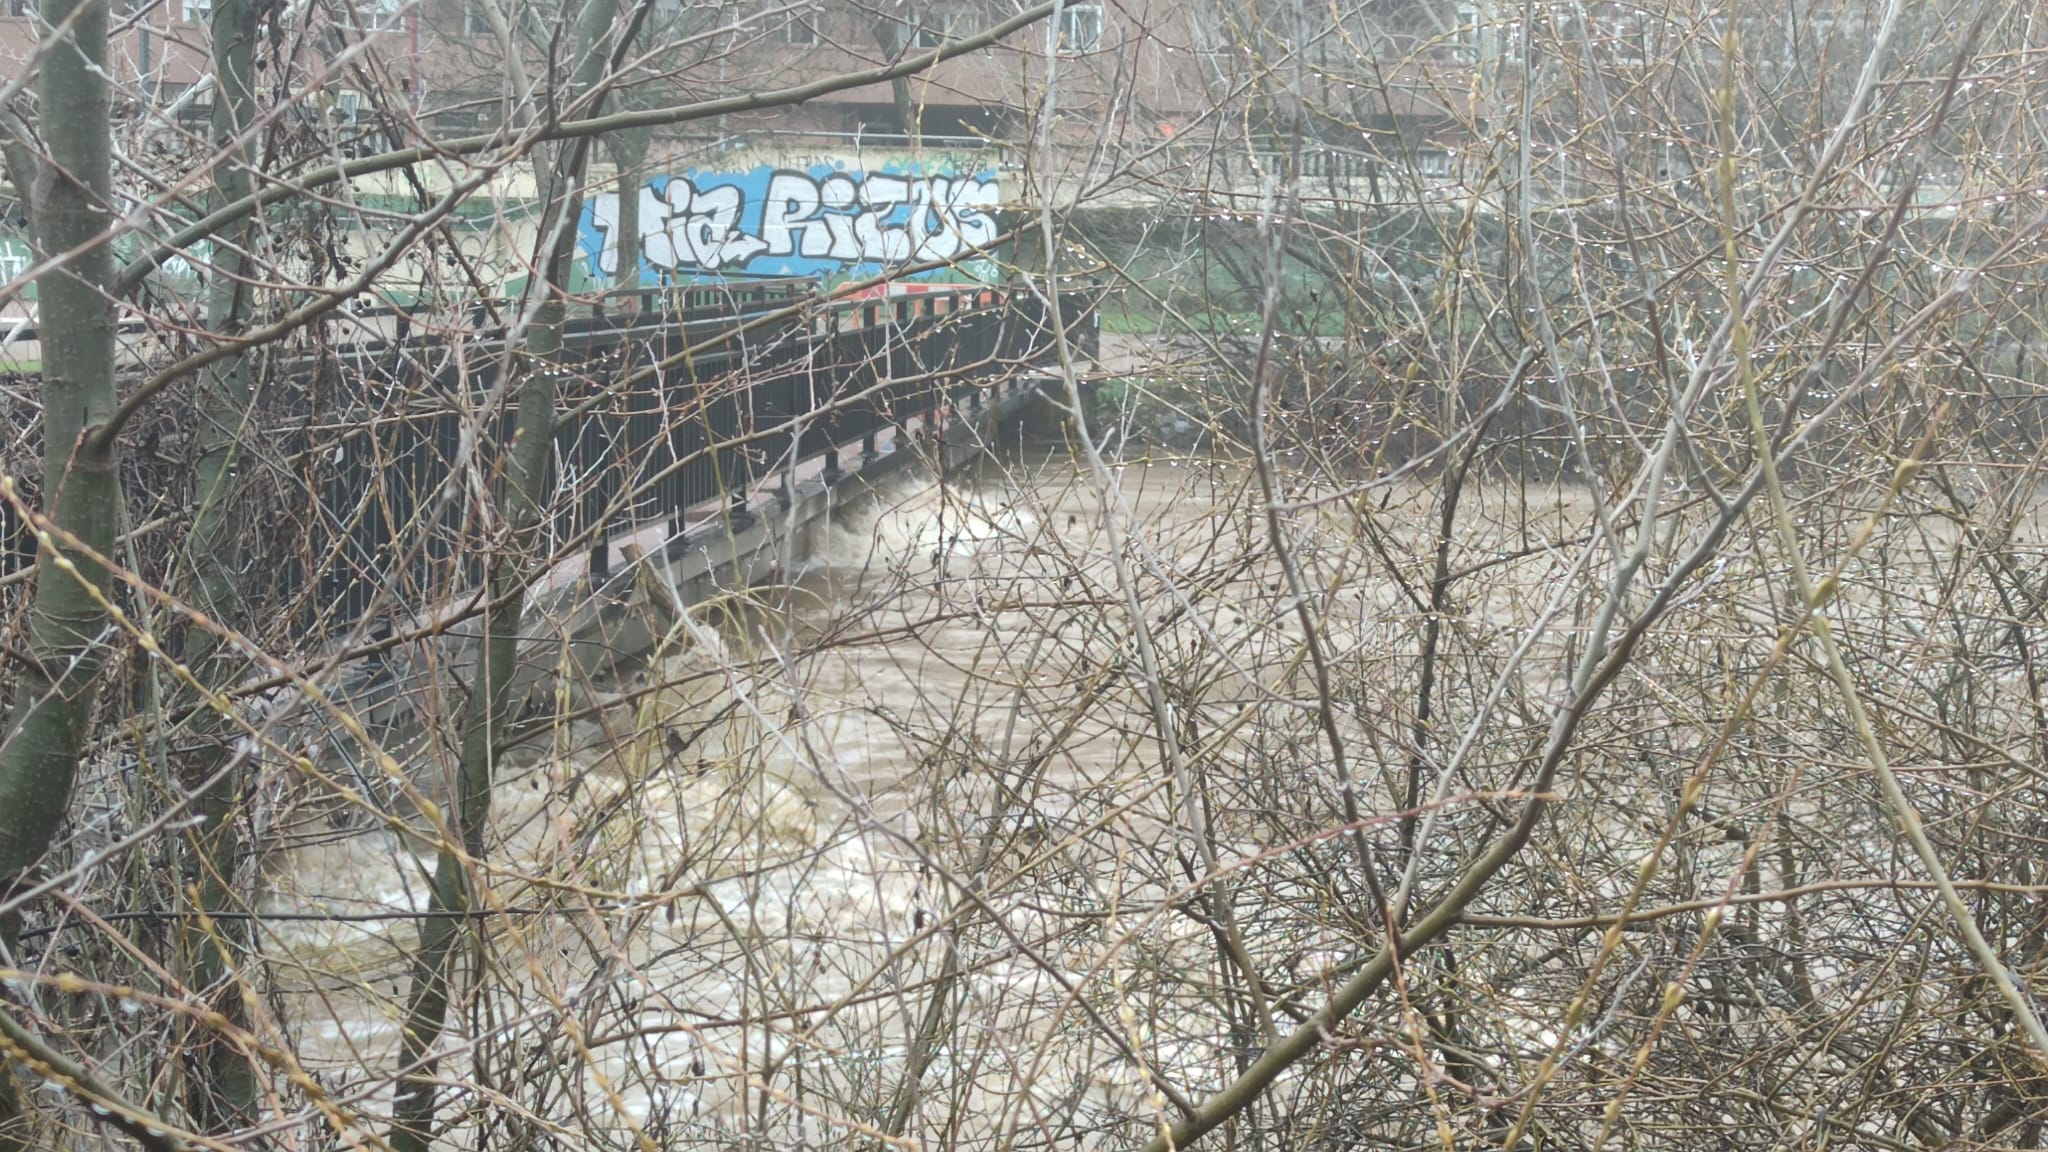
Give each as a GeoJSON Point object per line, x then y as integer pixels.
{"type": "Point", "coordinates": [909, 810]}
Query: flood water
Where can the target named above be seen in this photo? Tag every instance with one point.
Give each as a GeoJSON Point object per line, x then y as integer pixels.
{"type": "Point", "coordinates": [916, 793]}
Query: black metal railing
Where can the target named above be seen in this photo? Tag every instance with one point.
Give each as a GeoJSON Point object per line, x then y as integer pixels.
{"type": "Point", "coordinates": [680, 416]}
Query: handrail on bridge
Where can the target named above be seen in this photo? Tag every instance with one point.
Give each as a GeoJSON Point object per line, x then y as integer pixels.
{"type": "Point", "coordinates": [370, 440]}
{"type": "Point", "coordinates": [696, 436]}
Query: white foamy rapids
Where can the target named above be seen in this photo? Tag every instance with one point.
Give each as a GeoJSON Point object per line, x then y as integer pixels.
{"type": "Point", "coordinates": [917, 522]}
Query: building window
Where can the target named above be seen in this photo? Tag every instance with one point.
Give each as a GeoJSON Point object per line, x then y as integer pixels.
{"type": "Point", "coordinates": [475, 20]}
{"type": "Point", "coordinates": [1633, 38]}
{"type": "Point", "coordinates": [190, 101]}
{"type": "Point", "coordinates": [382, 15]}
{"type": "Point", "coordinates": [467, 122]}
{"type": "Point", "coordinates": [932, 28]}
{"type": "Point", "coordinates": [1471, 34]}
{"type": "Point", "coordinates": [1081, 28]}
{"type": "Point", "coordinates": [197, 11]}
{"type": "Point", "coordinates": [799, 26]}
{"type": "Point", "coordinates": [21, 9]}
{"type": "Point", "coordinates": [540, 17]}
{"type": "Point", "coordinates": [1483, 37]}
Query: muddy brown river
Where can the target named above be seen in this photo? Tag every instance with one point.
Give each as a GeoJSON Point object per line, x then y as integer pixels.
{"type": "Point", "coordinates": [911, 809]}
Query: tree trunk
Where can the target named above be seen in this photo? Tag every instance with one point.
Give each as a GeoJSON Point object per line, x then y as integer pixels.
{"type": "Point", "coordinates": [629, 152]}
{"type": "Point", "coordinates": [426, 1008]}
{"type": "Point", "coordinates": [891, 34]}
{"type": "Point", "coordinates": [54, 676]}
{"type": "Point", "coordinates": [484, 716]}
{"type": "Point", "coordinates": [227, 1090]}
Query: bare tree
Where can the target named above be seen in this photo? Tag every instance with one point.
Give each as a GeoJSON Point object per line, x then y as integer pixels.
{"type": "Point", "coordinates": [1521, 629]}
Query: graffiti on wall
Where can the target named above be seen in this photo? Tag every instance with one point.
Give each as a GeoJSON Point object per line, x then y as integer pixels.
{"type": "Point", "coordinates": [823, 221]}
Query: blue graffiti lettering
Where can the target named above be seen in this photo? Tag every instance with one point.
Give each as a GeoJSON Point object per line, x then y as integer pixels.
{"type": "Point", "coordinates": [780, 222]}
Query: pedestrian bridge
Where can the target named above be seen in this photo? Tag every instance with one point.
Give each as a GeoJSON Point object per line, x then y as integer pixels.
{"type": "Point", "coordinates": [700, 438]}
